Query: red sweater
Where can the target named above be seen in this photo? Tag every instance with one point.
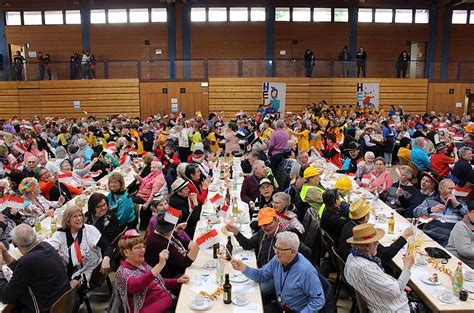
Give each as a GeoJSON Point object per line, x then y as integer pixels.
{"type": "Point", "coordinates": [440, 164]}
{"type": "Point", "coordinates": [197, 189]}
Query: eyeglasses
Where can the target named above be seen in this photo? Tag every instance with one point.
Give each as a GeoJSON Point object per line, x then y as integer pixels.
{"type": "Point", "coordinates": [275, 248]}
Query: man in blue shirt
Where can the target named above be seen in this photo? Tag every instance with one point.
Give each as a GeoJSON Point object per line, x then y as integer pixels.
{"type": "Point", "coordinates": [297, 284]}
{"type": "Point", "coordinates": [419, 157]}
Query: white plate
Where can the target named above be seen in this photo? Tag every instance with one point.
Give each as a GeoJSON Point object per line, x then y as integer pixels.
{"type": "Point", "coordinates": [429, 282]}
{"type": "Point", "coordinates": [465, 277]}
{"type": "Point", "coordinates": [239, 278]}
{"type": "Point", "coordinates": [440, 298]}
{"type": "Point", "coordinates": [247, 301]}
{"type": "Point", "coordinates": [469, 286]}
{"type": "Point", "coordinates": [206, 306]}
{"type": "Point", "coordinates": [210, 265]}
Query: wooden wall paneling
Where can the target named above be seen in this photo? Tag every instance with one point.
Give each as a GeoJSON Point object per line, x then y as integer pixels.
{"type": "Point", "coordinates": [228, 40]}
{"type": "Point", "coordinates": [460, 48]}
{"type": "Point", "coordinates": [29, 99]}
{"type": "Point", "coordinates": [60, 41]}
{"type": "Point", "coordinates": [9, 104]}
{"type": "Point", "coordinates": [440, 100]}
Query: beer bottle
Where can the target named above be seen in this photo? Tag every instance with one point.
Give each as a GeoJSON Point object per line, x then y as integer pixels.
{"type": "Point", "coordinates": [227, 290]}
{"type": "Point", "coordinates": [229, 247]}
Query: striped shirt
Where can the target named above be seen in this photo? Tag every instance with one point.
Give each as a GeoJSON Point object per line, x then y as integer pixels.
{"type": "Point", "coordinates": [382, 292]}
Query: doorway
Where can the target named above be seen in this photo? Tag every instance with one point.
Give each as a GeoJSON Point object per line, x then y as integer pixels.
{"type": "Point", "coordinates": [418, 59]}
{"type": "Point", "coordinates": [470, 104]}
{"type": "Point", "coordinates": [13, 48]}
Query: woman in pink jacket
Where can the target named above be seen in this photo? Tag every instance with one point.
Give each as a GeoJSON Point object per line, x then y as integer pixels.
{"type": "Point", "coordinates": [382, 179]}
{"type": "Point", "coordinates": [150, 185]}
{"type": "Point", "coordinates": [140, 286]}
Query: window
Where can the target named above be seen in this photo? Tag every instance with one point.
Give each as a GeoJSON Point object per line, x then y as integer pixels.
{"type": "Point", "coordinates": [422, 16]}
{"type": "Point", "coordinates": [365, 15]}
{"type": "Point", "coordinates": [383, 15]}
{"type": "Point", "coordinates": [117, 16]}
{"type": "Point", "coordinates": [13, 18]}
{"type": "Point", "coordinates": [459, 17]}
{"type": "Point", "coordinates": [198, 14]}
{"type": "Point", "coordinates": [239, 14]}
{"type": "Point", "coordinates": [301, 14]}
{"type": "Point", "coordinates": [282, 14]}
{"type": "Point", "coordinates": [32, 18]}
{"type": "Point", "coordinates": [257, 14]}
{"type": "Point", "coordinates": [341, 15]}
{"type": "Point", "coordinates": [471, 18]}
{"type": "Point", "coordinates": [217, 14]}
{"type": "Point", "coordinates": [159, 15]}
{"type": "Point", "coordinates": [73, 17]}
{"type": "Point", "coordinates": [139, 16]}
{"type": "Point", "coordinates": [403, 16]}
{"type": "Point", "coordinates": [97, 16]}
{"type": "Point", "coordinates": [322, 15]}
{"type": "Point", "coordinates": [53, 17]}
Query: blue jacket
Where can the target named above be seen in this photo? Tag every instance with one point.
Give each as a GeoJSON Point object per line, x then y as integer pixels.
{"type": "Point", "coordinates": [302, 290]}
{"type": "Point", "coordinates": [440, 228]}
{"type": "Point", "coordinates": [420, 159]}
{"type": "Point", "coordinates": [123, 207]}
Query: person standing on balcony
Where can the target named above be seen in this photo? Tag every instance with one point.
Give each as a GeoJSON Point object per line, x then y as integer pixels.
{"type": "Point", "coordinates": [402, 64]}
{"type": "Point", "coordinates": [47, 66]}
{"type": "Point", "coordinates": [18, 61]}
{"type": "Point", "coordinates": [309, 62]}
{"type": "Point", "coordinates": [92, 66]}
{"type": "Point", "coordinates": [73, 66]}
{"type": "Point", "coordinates": [41, 65]}
{"type": "Point", "coordinates": [85, 64]}
{"type": "Point", "coordinates": [345, 59]}
{"type": "Point", "coordinates": [361, 58]}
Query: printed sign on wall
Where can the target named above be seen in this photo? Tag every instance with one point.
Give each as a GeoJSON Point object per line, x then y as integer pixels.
{"type": "Point", "coordinates": [367, 95]}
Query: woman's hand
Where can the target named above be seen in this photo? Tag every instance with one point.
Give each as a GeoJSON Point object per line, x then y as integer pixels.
{"type": "Point", "coordinates": [74, 283]}
{"type": "Point", "coordinates": [105, 267]}
{"type": "Point", "coordinates": [49, 213]}
{"type": "Point", "coordinates": [164, 255]}
{"type": "Point", "coordinates": [61, 200]}
{"type": "Point", "coordinates": [183, 279]}
{"type": "Point", "coordinates": [181, 226]}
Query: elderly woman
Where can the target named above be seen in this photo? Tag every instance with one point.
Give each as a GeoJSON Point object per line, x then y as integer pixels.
{"type": "Point", "coordinates": [231, 140]}
{"type": "Point", "coordinates": [51, 189]}
{"type": "Point", "coordinates": [36, 206]}
{"type": "Point", "coordinates": [100, 215]}
{"type": "Point", "coordinates": [462, 167]}
{"type": "Point", "coordinates": [141, 287]}
{"type": "Point", "coordinates": [82, 246]}
{"type": "Point", "coordinates": [149, 185]}
{"type": "Point", "coordinates": [365, 167]}
{"type": "Point", "coordinates": [402, 187]}
{"type": "Point", "coordinates": [120, 201]}
{"type": "Point", "coordinates": [182, 251]}
{"type": "Point", "coordinates": [461, 240]}
{"type": "Point", "coordinates": [284, 209]}
{"type": "Point", "coordinates": [382, 179]}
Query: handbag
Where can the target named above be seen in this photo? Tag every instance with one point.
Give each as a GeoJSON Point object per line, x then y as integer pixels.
{"type": "Point", "coordinates": [437, 253]}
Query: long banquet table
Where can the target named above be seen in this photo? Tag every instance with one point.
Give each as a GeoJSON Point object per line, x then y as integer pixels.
{"type": "Point", "coordinates": [428, 293]}
{"type": "Point", "coordinates": [200, 282]}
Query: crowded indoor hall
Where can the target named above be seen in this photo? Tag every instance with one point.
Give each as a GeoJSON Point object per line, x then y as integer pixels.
{"type": "Point", "coordinates": [236, 156]}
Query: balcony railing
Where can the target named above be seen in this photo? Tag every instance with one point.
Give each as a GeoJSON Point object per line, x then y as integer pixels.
{"type": "Point", "coordinates": [202, 69]}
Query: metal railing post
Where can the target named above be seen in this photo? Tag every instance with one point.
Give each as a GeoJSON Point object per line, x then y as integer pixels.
{"type": "Point", "coordinates": [240, 68]}
{"type": "Point", "coordinates": [206, 69]}
{"type": "Point", "coordinates": [139, 69]}
{"type": "Point", "coordinates": [458, 73]}
{"type": "Point", "coordinates": [106, 70]}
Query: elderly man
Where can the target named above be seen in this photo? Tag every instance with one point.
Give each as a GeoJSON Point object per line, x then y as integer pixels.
{"type": "Point", "coordinates": [365, 273]}
{"type": "Point", "coordinates": [445, 210]}
{"type": "Point", "coordinates": [85, 151]}
{"type": "Point", "coordinates": [463, 166]}
{"type": "Point", "coordinates": [301, 160]}
{"type": "Point", "coordinates": [31, 162]}
{"type": "Point", "coordinates": [250, 186]}
{"type": "Point", "coordinates": [312, 191]}
{"type": "Point", "coordinates": [296, 281]}
{"type": "Point", "coordinates": [39, 276]}
{"type": "Point", "coordinates": [350, 163]}
{"type": "Point", "coordinates": [419, 157]}
{"type": "Point", "coordinates": [278, 144]}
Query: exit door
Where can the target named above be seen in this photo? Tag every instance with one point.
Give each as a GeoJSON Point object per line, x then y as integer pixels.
{"type": "Point", "coordinates": [418, 59]}
{"type": "Point", "coordinates": [470, 104]}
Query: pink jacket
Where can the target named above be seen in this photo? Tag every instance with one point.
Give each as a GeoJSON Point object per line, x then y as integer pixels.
{"type": "Point", "coordinates": [150, 185]}
{"type": "Point", "coordinates": [383, 181]}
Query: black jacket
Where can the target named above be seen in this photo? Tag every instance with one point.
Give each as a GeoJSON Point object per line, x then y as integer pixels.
{"type": "Point", "coordinates": [182, 204]}
{"type": "Point", "coordinates": [39, 278]}
{"type": "Point", "coordinates": [108, 225]}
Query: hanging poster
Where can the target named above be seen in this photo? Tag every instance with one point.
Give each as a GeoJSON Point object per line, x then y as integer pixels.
{"type": "Point", "coordinates": [273, 98]}
{"type": "Point", "coordinates": [367, 95]}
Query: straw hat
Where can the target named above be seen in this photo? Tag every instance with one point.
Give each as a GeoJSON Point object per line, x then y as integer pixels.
{"type": "Point", "coordinates": [359, 209]}
{"type": "Point", "coordinates": [365, 233]}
